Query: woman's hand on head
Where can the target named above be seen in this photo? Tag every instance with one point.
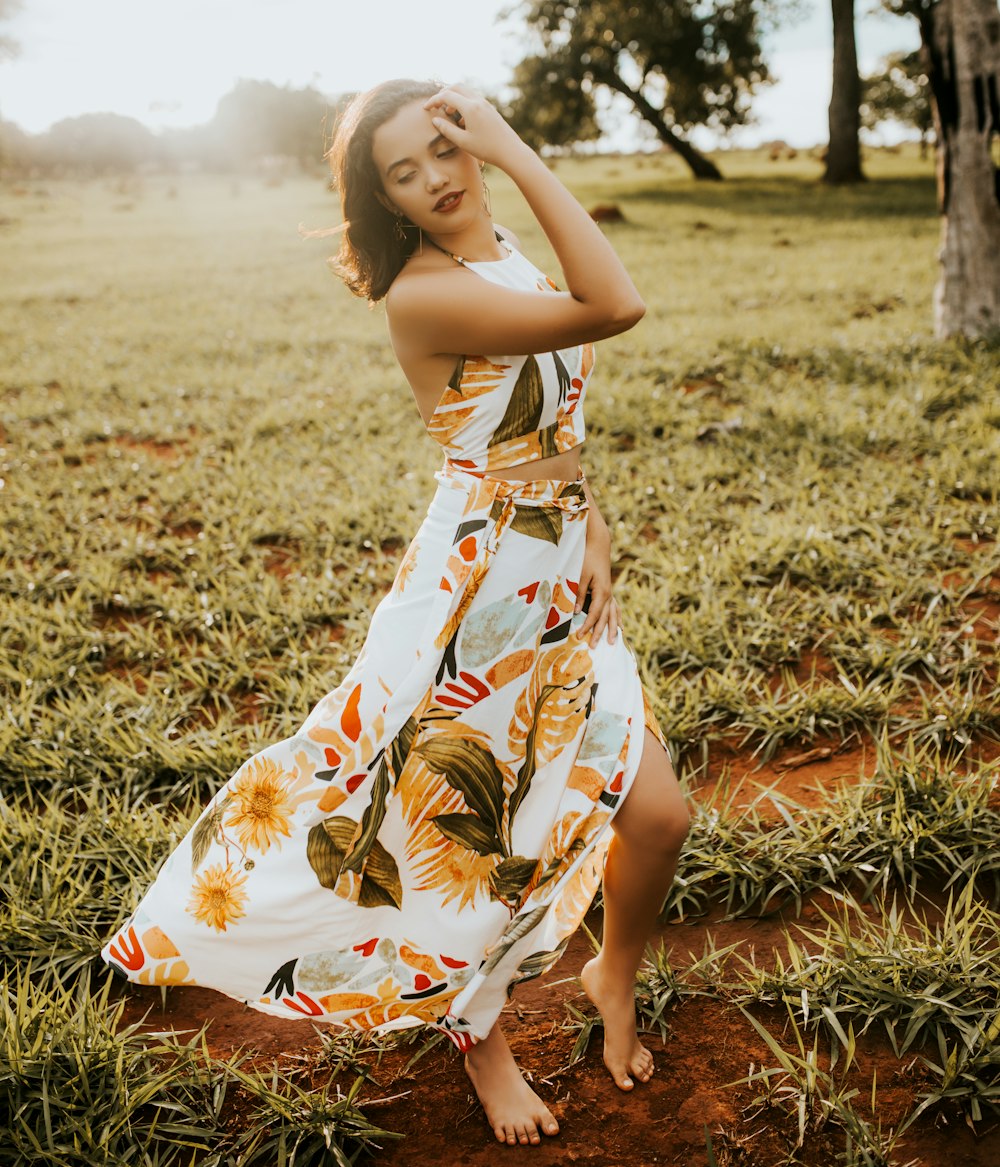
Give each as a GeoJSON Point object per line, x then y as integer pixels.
{"type": "Point", "coordinates": [472, 123]}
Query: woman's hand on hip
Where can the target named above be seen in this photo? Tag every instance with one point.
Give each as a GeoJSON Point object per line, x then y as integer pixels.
{"type": "Point", "coordinates": [472, 123]}
{"type": "Point", "coordinates": [595, 578]}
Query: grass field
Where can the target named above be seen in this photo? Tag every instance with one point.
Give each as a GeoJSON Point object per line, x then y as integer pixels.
{"type": "Point", "coordinates": [210, 466]}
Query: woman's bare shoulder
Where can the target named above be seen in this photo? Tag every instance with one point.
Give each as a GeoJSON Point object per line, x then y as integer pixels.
{"type": "Point", "coordinates": [420, 277]}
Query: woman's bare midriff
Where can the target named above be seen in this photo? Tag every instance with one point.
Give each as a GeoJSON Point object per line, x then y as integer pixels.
{"type": "Point", "coordinates": [565, 465]}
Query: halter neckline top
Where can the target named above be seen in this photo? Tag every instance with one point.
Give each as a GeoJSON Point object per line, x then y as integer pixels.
{"type": "Point", "coordinates": [503, 410]}
{"type": "Point", "coordinates": [476, 262]}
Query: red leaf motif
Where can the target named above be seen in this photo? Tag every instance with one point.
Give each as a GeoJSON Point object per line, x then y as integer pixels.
{"type": "Point", "coordinates": [529, 591]}
{"type": "Point", "coordinates": [421, 981]}
{"type": "Point", "coordinates": [552, 618]}
{"type": "Point", "coordinates": [130, 954]}
{"type": "Point", "coordinates": [354, 782]}
{"type": "Point", "coordinates": [449, 963]}
{"type": "Point", "coordinates": [368, 947]}
{"type": "Point", "coordinates": [332, 757]}
{"type": "Point", "coordinates": [309, 1007]}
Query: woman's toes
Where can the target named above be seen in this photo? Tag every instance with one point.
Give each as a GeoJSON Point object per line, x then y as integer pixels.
{"type": "Point", "coordinates": [551, 1126]}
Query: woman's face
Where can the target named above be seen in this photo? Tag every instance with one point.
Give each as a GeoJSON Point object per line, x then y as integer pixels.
{"type": "Point", "coordinates": [436, 185]}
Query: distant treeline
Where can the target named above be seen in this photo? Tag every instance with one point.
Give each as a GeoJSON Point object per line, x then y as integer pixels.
{"type": "Point", "coordinates": [256, 125]}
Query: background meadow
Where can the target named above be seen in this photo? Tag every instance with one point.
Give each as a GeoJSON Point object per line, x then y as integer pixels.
{"type": "Point", "coordinates": [211, 466]}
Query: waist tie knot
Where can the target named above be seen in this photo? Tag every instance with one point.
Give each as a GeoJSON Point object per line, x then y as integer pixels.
{"type": "Point", "coordinates": [492, 505]}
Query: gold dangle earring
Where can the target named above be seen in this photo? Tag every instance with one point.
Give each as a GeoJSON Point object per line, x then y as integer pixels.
{"type": "Point", "coordinates": [399, 228]}
{"type": "Point", "coordinates": [487, 205]}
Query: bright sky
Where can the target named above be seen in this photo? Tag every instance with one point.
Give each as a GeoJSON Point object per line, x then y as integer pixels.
{"type": "Point", "coordinates": [167, 62]}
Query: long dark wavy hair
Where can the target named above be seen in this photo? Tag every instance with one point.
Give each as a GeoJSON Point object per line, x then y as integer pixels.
{"type": "Point", "coordinates": [371, 252]}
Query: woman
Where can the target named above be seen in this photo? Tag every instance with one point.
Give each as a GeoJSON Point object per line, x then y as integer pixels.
{"type": "Point", "coordinates": [437, 828]}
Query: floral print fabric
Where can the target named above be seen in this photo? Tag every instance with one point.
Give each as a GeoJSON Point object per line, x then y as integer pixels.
{"type": "Point", "coordinates": [436, 829]}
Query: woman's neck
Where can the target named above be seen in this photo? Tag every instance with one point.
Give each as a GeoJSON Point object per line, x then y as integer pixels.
{"type": "Point", "coordinates": [477, 243]}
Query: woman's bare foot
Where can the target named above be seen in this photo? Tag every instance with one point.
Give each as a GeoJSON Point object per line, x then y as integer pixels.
{"type": "Point", "coordinates": [514, 1110]}
{"type": "Point", "coordinates": [623, 1053]}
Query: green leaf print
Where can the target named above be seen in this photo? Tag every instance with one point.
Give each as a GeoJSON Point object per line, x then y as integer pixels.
{"type": "Point", "coordinates": [402, 744]}
{"type": "Point", "coordinates": [527, 771]}
{"type": "Point", "coordinates": [509, 879]}
{"type": "Point", "coordinates": [201, 839]}
{"type": "Point", "coordinates": [380, 885]}
{"type": "Point", "coordinates": [535, 964]}
{"type": "Point", "coordinates": [518, 927]}
{"type": "Point", "coordinates": [371, 820]}
{"type": "Point", "coordinates": [471, 769]}
{"type": "Point", "coordinates": [538, 523]}
{"type": "Point", "coordinates": [206, 830]}
{"type": "Point", "coordinates": [524, 410]}
{"type": "Point", "coordinates": [560, 862]}
{"type": "Point", "coordinates": [455, 380]}
{"type": "Point", "coordinates": [326, 849]}
{"type": "Point", "coordinates": [468, 830]}
{"type": "Point", "coordinates": [547, 441]}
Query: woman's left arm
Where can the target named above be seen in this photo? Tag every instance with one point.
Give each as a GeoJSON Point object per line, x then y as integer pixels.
{"type": "Point", "coordinates": [595, 577]}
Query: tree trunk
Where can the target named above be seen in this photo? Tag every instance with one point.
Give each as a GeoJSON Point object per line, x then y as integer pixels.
{"type": "Point", "coordinates": [843, 156]}
{"type": "Point", "coordinates": [962, 42]}
{"type": "Point", "coordinates": [701, 167]}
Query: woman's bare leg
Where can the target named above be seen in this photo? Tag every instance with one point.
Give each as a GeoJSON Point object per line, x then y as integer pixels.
{"type": "Point", "coordinates": [514, 1110]}
{"type": "Point", "coordinates": [649, 829]}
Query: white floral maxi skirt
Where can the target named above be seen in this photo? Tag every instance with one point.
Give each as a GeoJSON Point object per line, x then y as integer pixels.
{"type": "Point", "coordinates": [436, 829]}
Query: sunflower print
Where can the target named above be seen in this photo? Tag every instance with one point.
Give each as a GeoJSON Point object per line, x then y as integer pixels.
{"type": "Point", "coordinates": [218, 897]}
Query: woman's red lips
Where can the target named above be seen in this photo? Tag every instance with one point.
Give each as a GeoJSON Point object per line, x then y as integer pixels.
{"type": "Point", "coordinates": [449, 201]}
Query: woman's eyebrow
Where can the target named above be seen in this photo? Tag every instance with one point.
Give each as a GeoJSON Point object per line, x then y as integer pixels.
{"type": "Point", "coordinates": [431, 145]}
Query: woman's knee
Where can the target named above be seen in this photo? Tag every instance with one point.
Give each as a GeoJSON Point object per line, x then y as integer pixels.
{"type": "Point", "coordinates": [654, 815]}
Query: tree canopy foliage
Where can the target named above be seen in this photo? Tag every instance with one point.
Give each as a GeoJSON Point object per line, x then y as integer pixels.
{"type": "Point", "coordinates": [899, 90]}
{"type": "Point", "coordinates": [256, 120]}
{"type": "Point", "coordinates": [8, 46]}
{"type": "Point", "coordinates": [681, 64]}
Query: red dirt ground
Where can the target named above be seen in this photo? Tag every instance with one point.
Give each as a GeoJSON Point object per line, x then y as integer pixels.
{"type": "Point", "coordinates": [710, 1046]}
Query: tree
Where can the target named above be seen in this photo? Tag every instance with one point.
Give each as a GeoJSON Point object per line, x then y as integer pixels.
{"type": "Point", "coordinates": [97, 143]}
{"type": "Point", "coordinates": [560, 110]}
{"type": "Point", "coordinates": [899, 91]}
{"type": "Point", "coordinates": [843, 155]}
{"type": "Point", "coordinates": [680, 63]}
{"type": "Point", "coordinates": [8, 46]}
{"type": "Point", "coordinates": [960, 43]}
{"type": "Point", "coordinates": [258, 118]}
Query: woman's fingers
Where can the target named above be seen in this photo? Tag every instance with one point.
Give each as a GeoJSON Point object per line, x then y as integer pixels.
{"type": "Point", "coordinates": [452, 96]}
{"type": "Point", "coordinates": [469, 121]}
{"type": "Point", "coordinates": [603, 614]}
